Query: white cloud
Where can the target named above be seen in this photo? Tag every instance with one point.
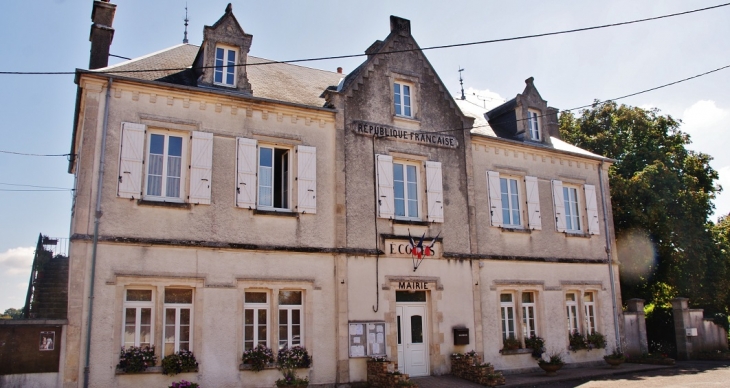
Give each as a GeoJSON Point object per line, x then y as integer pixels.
{"type": "Point", "coordinates": [484, 98]}
{"type": "Point", "coordinates": [17, 261]}
{"type": "Point", "coordinates": [708, 127]}
{"type": "Point", "coordinates": [22, 285]}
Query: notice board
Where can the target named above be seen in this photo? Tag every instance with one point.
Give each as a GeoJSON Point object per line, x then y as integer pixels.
{"type": "Point", "coordinates": [367, 339]}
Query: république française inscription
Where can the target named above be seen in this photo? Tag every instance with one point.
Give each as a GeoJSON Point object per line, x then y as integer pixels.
{"type": "Point", "coordinates": [427, 138]}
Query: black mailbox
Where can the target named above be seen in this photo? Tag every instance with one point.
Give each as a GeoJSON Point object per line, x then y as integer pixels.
{"type": "Point", "coordinates": [461, 336]}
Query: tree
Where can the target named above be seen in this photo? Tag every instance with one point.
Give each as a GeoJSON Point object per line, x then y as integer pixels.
{"type": "Point", "coordinates": [661, 190]}
{"type": "Point", "coordinates": [12, 313]}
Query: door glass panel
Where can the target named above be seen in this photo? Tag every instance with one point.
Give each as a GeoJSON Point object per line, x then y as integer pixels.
{"type": "Point", "coordinates": [407, 296]}
{"type": "Point", "coordinates": [416, 329]}
{"type": "Point", "coordinates": [399, 331]}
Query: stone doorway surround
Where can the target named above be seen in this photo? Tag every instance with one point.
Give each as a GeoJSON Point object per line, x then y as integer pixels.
{"type": "Point", "coordinates": [436, 332]}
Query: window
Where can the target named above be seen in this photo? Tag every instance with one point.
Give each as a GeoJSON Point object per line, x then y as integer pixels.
{"type": "Point", "coordinates": [178, 320]}
{"type": "Point", "coordinates": [138, 318]}
{"type": "Point", "coordinates": [256, 318]}
{"type": "Point", "coordinates": [264, 176]}
{"type": "Point", "coordinates": [572, 212]}
{"type": "Point", "coordinates": [405, 185]}
{"type": "Point", "coordinates": [528, 315]}
{"type": "Point", "coordinates": [589, 305]}
{"type": "Point", "coordinates": [507, 306]}
{"type": "Point", "coordinates": [173, 159]}
{"type": "Point", "coordinates": [402, 99]}
{"type": "Point", "coordinates": [164, 166]}
{"type": "Point", "coordinates": [571, 305]}
{"type": "Point", "coordinates": [567, 200]}
{"type": "Point", "coordinates": [532, 123]}
{"type": "Point", "coordinates": [290, 319]}
{"type": "Point", "coordinates": [510, 202]}
{"type": "Point", "coordinates": [225, 66]}
{"type": "Point", "coordinates": [507, 201]}
{"type": "Point", "coordinates": [273, 177]}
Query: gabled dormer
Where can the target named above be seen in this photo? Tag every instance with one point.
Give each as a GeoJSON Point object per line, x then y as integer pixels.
{"type": "Point", "coordinates": [221, 61]}
{"type": "Point", "coordinates": [527, 117]}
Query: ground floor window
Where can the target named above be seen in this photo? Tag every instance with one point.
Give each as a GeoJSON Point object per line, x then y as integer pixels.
{"type": "Point", "coordinates": [290, 318]}
{"type": "Point", "coordinates": [574, 300]}
{"type": "Point", "coordinates": [138, 318]}
{"type": "Point", "coordinates": [518, 317]}
{"type": "Point", "coordinates": [178, 320]}
{"type": "Point", "coordinates": [256, 319]}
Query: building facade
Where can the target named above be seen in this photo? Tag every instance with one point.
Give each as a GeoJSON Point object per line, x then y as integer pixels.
{"type": "Point", "coordinates": [235, 202]}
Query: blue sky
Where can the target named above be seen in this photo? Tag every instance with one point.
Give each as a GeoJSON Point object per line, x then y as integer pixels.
{"type": "Point", "coordinates": [570, 70]}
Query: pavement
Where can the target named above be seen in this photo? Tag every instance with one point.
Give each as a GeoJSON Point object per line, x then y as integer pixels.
{"type": "Point", "coordinates": [538, 379]}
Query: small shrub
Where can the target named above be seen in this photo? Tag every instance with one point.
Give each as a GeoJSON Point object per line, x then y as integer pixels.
{"type": "Point", "coordinates": [511, 343]}
{"type": "Point", "coordinates": [137, 359]}
{"type": "Point", "coordinates": [554, 358]}
{"type": "Point", "coordinates": [537, 344]}
{"type": "Point", "coordinates": [258, 357]}
{"type": "Point", "coordinates": [577, 341]}
{"type": "Point", "coordinates": [184, 384]}
{"type": "Point", "coordinates": [182, 361]}
{"type": "Point", "coordinates": [615, 355]}
{"type": "Point", "coordinates": [294, 357]}
{"type": "Point", "coordinates": [596, 340]}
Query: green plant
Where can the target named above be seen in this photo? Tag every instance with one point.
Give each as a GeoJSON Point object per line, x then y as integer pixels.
{"type": "Point", "coordinates": [182, 361]}
{"type": "Point", "coordinates": [553, 358]}
{"type": "Point", "coordinates": [184, 384]}
{"type": "Point", "coordinates": [596, 340]}
{"type": "Point", "coordinates": [615, 355]}
{"type": "Point", "coordinates": [577, 341]}
{"type": "Point", "coordinates": [136, 359]}
{"type": "Point", "coordinates": [511, 343]}
{"type": "Point", "coordinates": [289, 359]}
{"type": "Point", "coordinates": [537, 344]}
{"type": "Point", "coordinates": [258, 357]}
{"type": "Point", "coordinates": [290, 378]}
{"type": "Point", "coordinates": [385, 358]}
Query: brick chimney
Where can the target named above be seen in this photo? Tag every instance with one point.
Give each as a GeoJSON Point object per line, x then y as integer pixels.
{"type": "Point", "coordinates": [102, 33]}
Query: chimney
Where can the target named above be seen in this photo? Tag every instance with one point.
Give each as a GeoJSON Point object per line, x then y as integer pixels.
{"type": "Point", "coordinates": [102, 33]}
{"type": "Point", "coordinates": [339, 70]}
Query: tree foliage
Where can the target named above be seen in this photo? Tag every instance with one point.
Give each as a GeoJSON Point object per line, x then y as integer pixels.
{"type": "Point", "coordinates": [662, 190]}
{"type": "Point", "coordinates": [12, 313]}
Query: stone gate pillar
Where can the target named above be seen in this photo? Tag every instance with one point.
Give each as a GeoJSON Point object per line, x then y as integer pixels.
{"type": "Point", "coordinates": [637, 340]}
{"type": "Point", "coordinates": [680, 310]}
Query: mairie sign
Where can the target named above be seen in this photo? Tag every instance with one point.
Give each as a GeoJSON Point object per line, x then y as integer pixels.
{"type": "Point", "coordinates": [437, 139]}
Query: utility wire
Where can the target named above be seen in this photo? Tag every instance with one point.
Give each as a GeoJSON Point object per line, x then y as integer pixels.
{"type": "Point", "coordinates": [389, 52]}
{"type": "Point", "coordinates": [28, 154]}
{"type": "Point", "coordinates": [37, 187]}
{"type": "Point", "coordinates": [26, 190]}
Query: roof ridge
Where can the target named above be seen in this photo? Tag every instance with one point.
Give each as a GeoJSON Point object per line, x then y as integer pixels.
{"type": "Point", "coordinates": [103, 69]}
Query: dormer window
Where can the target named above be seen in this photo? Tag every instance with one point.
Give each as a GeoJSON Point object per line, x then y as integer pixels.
{"type": "Point", "coordinates": [402, 99]}
{"type": "Point", "coordinates": [532, 124]}
{"type": "Point", "coordinates": [225, 66]}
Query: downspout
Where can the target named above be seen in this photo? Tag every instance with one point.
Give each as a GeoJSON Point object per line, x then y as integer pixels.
{"type": "Point", "coordinates": [609, 259]}
{"type": "Point", "coordinates": [97, 218]}
{"type": "Point", "coordinates": [376, 307]}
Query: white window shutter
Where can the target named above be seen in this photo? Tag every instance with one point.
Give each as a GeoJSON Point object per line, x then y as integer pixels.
{"type": "Point", "coordinates": [434, 192]}
{"type": "Point", "coordinates": [559, 205]}
{"type": "Point", "coordinates": [386, 200]}
{"type": "Point", "coordinates": [495, 198]}
{"type": "Point", "coordinates": [591, 209]}
{"type": "Point", "coordinates": [307, 179]}
{"type": "Point", "coordinates": [246, 166]}
{"type": "Point", "coordinates": [201, 167]}
{"type": "Point", "coordinates": [130, 163]}
{"type": "Point", "coordinates": [533, 203]}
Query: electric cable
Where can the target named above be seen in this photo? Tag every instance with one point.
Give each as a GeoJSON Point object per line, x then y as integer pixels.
{"type": "Point", "coordinates": [37, 187]}
{"type": "Point", "coordinates": [30, 154]}
{"type": "Point", "coordinates": [522, 37]}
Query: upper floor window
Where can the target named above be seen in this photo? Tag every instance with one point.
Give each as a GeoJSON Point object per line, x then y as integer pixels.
{"type": "Point", "coordinates": [274, 177]}
{"type": "Point", "coordinates": [402, 99]}
{"type": "Point", "coordinates": [173, 160]}
{"type": "Point", "coordinates": [509, 197]}
{"type": "Point", "coordinates": [224, 72]}
{"type": "Point", "coordinates": [405, 185]}
{"type": "Point", "coordinates": [570, 214]}
{"type": "Point", "coordinates": [572, 211]}
{"type": "Point", "coordinates": [510, 201]}
{"type": "Point", "coordinates": [533, 124]}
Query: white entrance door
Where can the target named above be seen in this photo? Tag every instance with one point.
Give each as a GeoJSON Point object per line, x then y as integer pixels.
{"type": "Point", "coordinates": [412, 339]}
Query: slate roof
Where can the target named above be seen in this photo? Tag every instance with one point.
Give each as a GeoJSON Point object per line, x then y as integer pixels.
{"type": "Point", "coordinates": [278, 81]}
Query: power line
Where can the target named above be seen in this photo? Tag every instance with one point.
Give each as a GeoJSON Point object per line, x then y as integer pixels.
{"type": "Point", "coordinates": [26, 190]}
{"type": "Point", "coordinates": [389, 52]}
{"type": "Point", "coordinates": [37, 187]}
{"type": "Point", "coordinates": [28, 154]}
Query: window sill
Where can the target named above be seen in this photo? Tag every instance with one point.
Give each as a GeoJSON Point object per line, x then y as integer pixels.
{"type": "Point", "coordinates": [176, 205]}
{"type": "Point", "coordinates": [410, 222]}
{"type": "Point", "coordinates": [247, 367]}
{"type": "Point", "coordinates": [515, 230]}
{"type": "Point", "coordinates": [283, 213]}
{"type": "Point", "coordinates": [227, 86]}
{"type": "Point", "coordinates": [577, 234]}
{"type": "Point", "coordinates": [515, 351]}
{"type": "Point", "coordinates": [150, 370]}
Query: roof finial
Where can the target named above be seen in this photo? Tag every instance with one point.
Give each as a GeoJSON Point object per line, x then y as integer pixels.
{"type": "Point", "coordinates": [461, 81]}
{"type": "Point", "coordinates": [229, 8]}
{"type": "Point", "coordinates": [185, 37]}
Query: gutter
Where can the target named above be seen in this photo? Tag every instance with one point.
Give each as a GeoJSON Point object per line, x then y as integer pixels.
{"type": "Point", "coordinates": [609, 260]}
{"type": "Point", "coordinates": [97, 219]}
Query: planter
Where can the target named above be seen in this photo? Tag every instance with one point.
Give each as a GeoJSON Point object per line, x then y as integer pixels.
{"type": "Point", "coordinates": [301, 385]}
{"type": "Point", "coordinates": [550, 369]}
{"type": "Point", "coordinates": [614, 362]}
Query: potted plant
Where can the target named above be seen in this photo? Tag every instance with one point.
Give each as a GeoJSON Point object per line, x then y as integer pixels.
{"type": "Point", "coordinates": [258, 357]}
{"type": "Point", "coordinates": [184, 384]}
{"type": "Point", "coordinates": [615, 359]}
{"type": "Point", "coordinates": [510, 343]}
{"type": "Point", "coordinates": [537, 344]}
{"type": "Point", "coordinates": [577, 341]}
{"type": "Point", "coordinates": [182, 361]}
{"type": "Point", "coordinates": [596, 340]}
{"type": "Point", "coordinates": [289, 359]}
{"type": "Point", "coordinates": [136, 359]}
{"type": "Point", "coordinates": [551, 363]}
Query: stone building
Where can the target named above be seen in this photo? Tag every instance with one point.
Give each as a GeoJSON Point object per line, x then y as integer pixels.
{"type": "Point", "coordinates": [220, 206]}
